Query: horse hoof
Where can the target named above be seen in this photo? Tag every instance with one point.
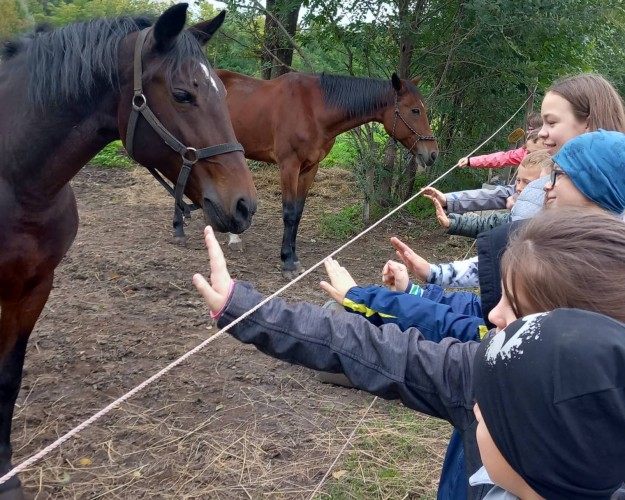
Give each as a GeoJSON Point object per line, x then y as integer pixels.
{"type": "Point", "coordinates": [291, 274]}
{"type": "Point", "coordinates": [236, 246]}
{"type": "Point", "coordinates": [181, 241]}
{"type": "Point", "coordinates": [12, 494]}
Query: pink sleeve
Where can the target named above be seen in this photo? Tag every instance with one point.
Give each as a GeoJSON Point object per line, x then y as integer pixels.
{"type": "Point", "coordinates": [499, 159]}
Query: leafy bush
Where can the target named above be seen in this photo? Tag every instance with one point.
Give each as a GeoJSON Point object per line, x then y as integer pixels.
{"type": "Point", "coordinates": [113, 156]}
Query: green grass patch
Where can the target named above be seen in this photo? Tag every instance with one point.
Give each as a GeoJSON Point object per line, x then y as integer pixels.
{"type": "Point", "coordinates": [392, 457]}
{"type": "Point", "coordinates": [342, 225]}
{"type": "Point", "coordinates": [113, 156]}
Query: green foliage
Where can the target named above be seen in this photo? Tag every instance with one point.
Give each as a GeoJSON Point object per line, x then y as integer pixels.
{"type": "Point", "coordinates": [341, 155]}
{"type": "Point", "coordinates": [14, 17]}
{"type": "Point", "coordinates": [61, 12]}
{"type": "Point", "coordinates": [342, 225]}
{"type": "Point", "coordinates": [113, 156]}
{"type": "Point", "coordinates": [421, 208]}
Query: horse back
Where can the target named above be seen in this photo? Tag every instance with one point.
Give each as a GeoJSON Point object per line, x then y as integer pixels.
{"type": "Point", "coordinates": [273, 117]}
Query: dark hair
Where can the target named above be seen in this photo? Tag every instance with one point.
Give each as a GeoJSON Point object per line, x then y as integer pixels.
{"type": "Point", "coordinates": [567, 257]}
{"type": "Point", "coordinates": [593, 98]}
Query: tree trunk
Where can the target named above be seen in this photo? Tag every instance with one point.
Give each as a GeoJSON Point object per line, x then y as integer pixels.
{"type": "Point", "coordinates": [385, 191]}
{"type": "Point", "coordinates": [277, 55]}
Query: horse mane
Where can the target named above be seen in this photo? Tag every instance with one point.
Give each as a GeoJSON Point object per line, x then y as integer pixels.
{"type": "Point", "coordinates": [76, 62]}
{"type": "Point", "coordinates": [355, 96]}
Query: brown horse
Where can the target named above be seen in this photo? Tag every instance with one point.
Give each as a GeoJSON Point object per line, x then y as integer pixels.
{"type": "Point", "coordinates": [64, 95]}
{"type": "Point", "coordinates": [294, 120]}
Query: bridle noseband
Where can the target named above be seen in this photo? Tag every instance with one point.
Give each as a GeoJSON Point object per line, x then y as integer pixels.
{"type": "Point", "coordinates": [418, 136]}
{"type": "Point", "coordinates": [190, 156]}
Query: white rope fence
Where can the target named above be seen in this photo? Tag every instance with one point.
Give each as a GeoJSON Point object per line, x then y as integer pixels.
{"type": "Point", "coordinates": [76, 430]}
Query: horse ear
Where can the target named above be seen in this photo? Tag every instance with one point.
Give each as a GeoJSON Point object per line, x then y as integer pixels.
{"type": "Point", "coordinates": [205, 30]}
{"type": "Point", "coordinates": [169, 25]}
{"type": "Point", "coordinates": [396, 81]}
{"type": "Point", "coordinates": [416, 80]}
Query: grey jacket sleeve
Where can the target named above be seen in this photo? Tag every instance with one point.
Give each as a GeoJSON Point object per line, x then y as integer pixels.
{"type": "Point", "coordinates": [434, 378]}
{"type": "Point", "coordinates": [473, 200]}
{"type": "Point", "coordinates": [472, 225]}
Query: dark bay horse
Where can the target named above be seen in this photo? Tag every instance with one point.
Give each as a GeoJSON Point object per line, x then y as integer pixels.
{"type": "Point", "coordinates": [294, 120]}
{"type": "Point", "coordinates": [64, 95]}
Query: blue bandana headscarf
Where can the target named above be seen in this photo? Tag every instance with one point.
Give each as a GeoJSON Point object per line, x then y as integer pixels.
{"type": "Point", "coordinates": [595, 163]}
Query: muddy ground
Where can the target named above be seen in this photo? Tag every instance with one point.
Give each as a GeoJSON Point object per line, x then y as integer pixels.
{"type": "Point", "coordinates": [230, 422]}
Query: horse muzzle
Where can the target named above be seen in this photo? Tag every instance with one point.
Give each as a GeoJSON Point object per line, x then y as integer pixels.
{"type": "Point", "coordinates": [236, 222]}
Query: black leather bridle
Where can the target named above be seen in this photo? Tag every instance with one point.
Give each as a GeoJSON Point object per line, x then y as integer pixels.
{"type": "Point", "coordinates": [418, 136]}
{"type": "Point", "coordinates": [190, 156]}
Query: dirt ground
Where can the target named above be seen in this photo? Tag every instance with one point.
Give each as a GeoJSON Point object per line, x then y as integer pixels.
{"type": "Point", "coordinates": [229, 423]}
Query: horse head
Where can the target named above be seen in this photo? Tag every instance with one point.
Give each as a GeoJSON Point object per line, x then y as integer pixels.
{"type": "Point", "coordinates": [407, 121]}
{"type": "Point", "coordinates": [179, 121]}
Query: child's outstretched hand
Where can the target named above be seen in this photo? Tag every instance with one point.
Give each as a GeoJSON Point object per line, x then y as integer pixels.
{"type": "Point", "coordinates": [433, 193]}
{"type": "Point", "coordinates": [340, 280]}
{"type": "Point", "coordinates": [217, 293]}
{"type": "Point", "coordinates": [416, 264]}
{"type": "Point", "coordinates": [443, 220]}
{"type": "Point", "coordinates": [395, 276]}
{"type": "Point", "coordinates": [463, 162]}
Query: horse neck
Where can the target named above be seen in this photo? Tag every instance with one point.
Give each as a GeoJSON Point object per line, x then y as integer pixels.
{"type": "Point", "coordinates": [337, 123]}
{"type": "Point", "coordinates": [49, 147]}
{"type": "Point", "coordinates": [339, 119]}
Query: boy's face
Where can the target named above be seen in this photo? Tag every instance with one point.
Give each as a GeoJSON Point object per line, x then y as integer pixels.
{"type": "Point", "coordinates": [498, 468]}
{"type": "Point", "coordinates": [524, 176]}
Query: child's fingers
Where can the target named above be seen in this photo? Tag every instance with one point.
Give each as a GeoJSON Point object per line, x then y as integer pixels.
{"type": "Point", "coordinates": [331, 291]}
{"type": "Point", "coordinates": [399, 245]}
{"type": "Point", "coordinates": [215, 253]}
{"type": "Point", "coordinates": [211, 298]}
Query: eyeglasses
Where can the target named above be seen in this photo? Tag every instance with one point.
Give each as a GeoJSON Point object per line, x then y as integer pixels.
{"type": "Point", "coordinates": [554, 176]}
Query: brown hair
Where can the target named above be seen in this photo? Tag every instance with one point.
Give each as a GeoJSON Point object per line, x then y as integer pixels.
{"type": "Point", "coordinates": [593, 98]}
{"type": "Point", "coordinates": [532, 136]}
{"type": "Point", "coordinates": [538, 159]}
{"type": "Point", "coordinates": [567, 258]}
{"type": "Point", "coordinates": [534, 121]}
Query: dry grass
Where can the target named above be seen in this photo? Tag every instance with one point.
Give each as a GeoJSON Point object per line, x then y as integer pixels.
{"type": "Point", "coordinates": [157, 452]}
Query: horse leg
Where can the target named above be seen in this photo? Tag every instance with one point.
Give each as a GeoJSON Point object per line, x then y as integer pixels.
{"type": "Point", "coordinates": [292, 209]}
{"type": "Point", "coordinates": [17, 321]}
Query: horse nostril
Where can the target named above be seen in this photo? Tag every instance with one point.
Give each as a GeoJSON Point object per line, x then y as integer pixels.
{"type": "Point", "coordinates": [433, 156]}
{"type": "Point", "coordinates": [244, 210]}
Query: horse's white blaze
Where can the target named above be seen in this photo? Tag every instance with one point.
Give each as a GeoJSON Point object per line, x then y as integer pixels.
{"type": "Point", "coordinates": [210, 77]}
{"type": "Point", "coordinates": [207, 72]}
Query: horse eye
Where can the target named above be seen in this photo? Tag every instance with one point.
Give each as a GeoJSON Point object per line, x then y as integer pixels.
{"type": "Point", "coordinates": [416, 111]}
{"type": "Point", "coordinates": [182, 96]}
